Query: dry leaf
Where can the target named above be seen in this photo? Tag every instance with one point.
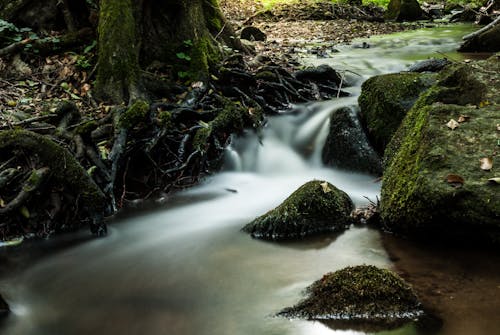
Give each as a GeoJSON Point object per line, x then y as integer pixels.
{"type": "Point", "coordinates": [498, 126]}
{"type": "Point", "coordinates": [463, 118]}
{"type": "Point", "coordinates": [452, 124]}
{"type": "Point", "coordinates": [325, 187]}
{"type": "Point", "coordinates": [495, 180]}
{"type": "Point", "coordinates": [2, 203]}
{"type": "Point", "coordinates": [486, 163]}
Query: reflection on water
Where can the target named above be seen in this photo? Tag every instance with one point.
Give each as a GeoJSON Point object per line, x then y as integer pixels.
{"type": "Point", "coordinates": [189, 269]}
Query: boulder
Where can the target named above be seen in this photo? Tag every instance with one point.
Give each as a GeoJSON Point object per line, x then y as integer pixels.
{"type": "Point", "coordinates": [315, 207]}
{"type": "Point", "coordinates": [404, 10]}
{"type": "Point", "coordinates": [251, 33]}
{"type": "Point", "coordinates": [385, 100]}
{"type": "Point", "coordinates": [362, 294]}
{"type": "Point", "coordinates": [436, 183]}
{"type": "Point", "coordinates": [347, 146]}
{"type": "Point", "coordinates": [323, 74]}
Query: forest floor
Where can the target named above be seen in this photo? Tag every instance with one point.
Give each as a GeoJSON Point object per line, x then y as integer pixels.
{"type": "Point", "coordinates": [309, 27]}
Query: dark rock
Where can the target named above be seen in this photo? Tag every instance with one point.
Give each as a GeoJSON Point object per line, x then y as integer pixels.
{"type": "Point", "coordinates": [323, 74]}
{"type": "Point", "coordinates": [363, 295]}
{"type": "Point", "coordinates": [252, 33]}
{"type": "Point", "coordinates": [404, 10]}
{"type": "Point", "coordinates": [347, 145]}
{"type": "Point", "coordinates": [4, 308]}
{"type": "Point", "coordinates": [484, 40]}
{"type": "Point", "coordinates": [315, 207]}
{"type": "Point", "coordinates": [385, 100]}
{"type": "Point", "coordinates": [465, 15]}
{"type": "Point", "coordinates": [418, 197]}
{"type": "Point", "coordinates": [429, 65]}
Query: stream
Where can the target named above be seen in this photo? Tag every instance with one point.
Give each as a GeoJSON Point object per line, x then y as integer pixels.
{"type": "Point", "coordinates": [187, 268]}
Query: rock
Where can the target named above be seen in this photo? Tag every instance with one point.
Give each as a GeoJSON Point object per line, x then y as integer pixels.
{"type": "Point", "coordinates": [465, 15]}
{"type": "Point", "coordinates": [4, 308]}
{"type": "Point", "coordinates": [434, 187]}
{"type": "Point", "coordinates": [315, 207]}
{"type": "Point", "coordinates": [404, 10]}
{"type": "Point", "coordinates": [323, 74]}
{"type": "Point", "coordinates": [361, 294]}
{"type": "Point", "coordinates": [429, 65]}
{"type": "Point", "coordinates": [347, 145]}
{"type": "Point", "coordinates": [385, 100]}
{"type": "Point", "coordinates": [252, 33]}
{"type": "Point", "coordinates": [485, 40]}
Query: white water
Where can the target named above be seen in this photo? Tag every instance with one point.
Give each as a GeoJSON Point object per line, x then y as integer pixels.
{"type": "Point", "coordinates": [188, 269]}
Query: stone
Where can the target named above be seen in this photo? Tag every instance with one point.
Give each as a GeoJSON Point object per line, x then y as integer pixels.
{"type": "Point", "coordinates": [323, 74]}
{"type": "Point", "coordinates": [404, 10]}
{"type": "Point", "coordinates": [487, 40]}
{"type": "Point", "coordinates": [251, 33]}
{"type": "Point", "coordinates": [316, 207]}
{"type": "Point", "coordinates": [417, 198]}
{"type": "Point", "coordinates": [385, 100]}
{"type": "Point", "coordinates": [361, 294]}
{"type": "Point", "coordinates": [4, 308]}
{"type": "Point", "coordinates": [429, 65]}
{"type": "Point", "coordinates": [347, 146]}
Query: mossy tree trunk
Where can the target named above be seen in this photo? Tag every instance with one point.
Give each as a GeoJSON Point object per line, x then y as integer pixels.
{"type": "Point", "coordinates": [180, 35]}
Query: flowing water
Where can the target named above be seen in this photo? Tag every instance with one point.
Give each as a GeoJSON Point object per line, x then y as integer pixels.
{"type": "Point", "coordinates": [188, 269]}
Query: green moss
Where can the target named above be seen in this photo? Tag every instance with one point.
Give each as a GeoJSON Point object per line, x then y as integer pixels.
{"type": "Point", "coordinates": [315, 207]}
{"type": "Point", "coordinates": [415, 196]}
{"type": "Point", "coordinates": [65, 170]}
{"type": "Point", "coordinates": [385, 100]}
{"type": "Point", "coordinates": [201, 139]}
{"type": "Point", "coordinates": [135, 114]}
{"type": "Point", "coordinates": [87, 127]}
{"type": "Point", "coordinates": [165, 118]}
{"type": "Point", "coordinates": [359, 292]}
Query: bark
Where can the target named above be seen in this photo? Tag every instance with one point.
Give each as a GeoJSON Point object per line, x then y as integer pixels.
{"type": "Point", "coordinates": [179, 35]}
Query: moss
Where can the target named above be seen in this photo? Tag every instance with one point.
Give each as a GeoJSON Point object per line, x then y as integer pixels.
{"type": "Point", "coordinates": [135, 114]}
{"type": "Point", "coordinates": [360, 292]}
{"type": "Point", "coordinates": [315, 207]}
{"type": "Point", "coordinates": [65, 170]}
{"type": "Point", "coordinates": [416, 199]}
{"type": "Point", "coordinates": [165, 118]}
{"type": "Point", "coordinates": [386, 99]}
{"type": "Point", "coordinates": [87, 127]}
{"type": "Point", "coordinates": [200, 140]}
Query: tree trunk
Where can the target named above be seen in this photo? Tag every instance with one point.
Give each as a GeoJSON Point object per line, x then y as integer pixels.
{"type": "Point", "coordinates": [178, 35]}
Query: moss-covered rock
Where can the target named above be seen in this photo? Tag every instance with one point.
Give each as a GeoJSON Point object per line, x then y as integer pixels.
{"type": "Point", "coordinates": [385, 100]}
{"type": "Point", "coordinates": [433, 185]}
{"type": "Point", "coordinates": [404, 10]}
{"type": "Point", "coordinates": [347, 145]}
{"type": "Point", "coordinates": [486, 41]}
{"type": "Point", "coordinates": [363, 293]}
{"type": "Point", "coordinates": [315, 207]}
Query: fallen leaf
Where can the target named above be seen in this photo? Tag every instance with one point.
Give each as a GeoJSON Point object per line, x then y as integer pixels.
{"type": "Point", "coordinates": [486, 163]}
{"type": "Point", "coordinates": [25, 212]}
{"type": "Point", "coordinates": [325, 187]}
{"type": "Point", "coordinates": [452, 124]}
{"type": "Point", "coordinates": [2, 203]}
{"type": "Point", "coordinates": [484, 104]}
{"type": "Point", "coordinates": [463, 118]}
{"type": "Point", "coordinates": [495, 180]}
{"type": "Point", "coordinates": [498, 126]}
{"type": "Point", "coordinates": [455, 180]}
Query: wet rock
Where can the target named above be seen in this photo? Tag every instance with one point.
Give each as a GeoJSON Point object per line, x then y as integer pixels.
{"type": "Point", "coordinates": [485, 40]}
{"type": "Point", "coordinates": [366, 296]}
{"type": "Point", "coordinates": [323, 74]}
{"type": "Point", "coordinates": [464, 15]}
{"type": "Point", "coordinates": [434, 186]}
{"type": "Point", "coordinates": [347, 145]}
{"type": "Point", "coordinates": [315, 207]}
{"type": "Point", "coordinates": [252, 33]}
{"type": "Point", "coordinates": [404, 10]}
{"type": "Point", "coordinates": [4, 308]}
{"type": "Point", "coordinates": [429, 65]}
{"type": "Point", "coordinates": [385, 100]}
